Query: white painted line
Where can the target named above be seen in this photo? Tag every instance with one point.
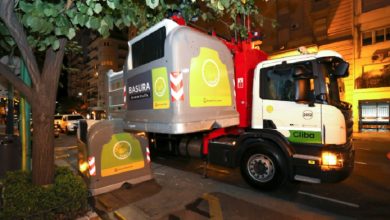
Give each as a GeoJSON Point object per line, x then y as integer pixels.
{"type": "Point", "coordinates": [358, 162]}
{"type": "Point", "coordinates": [366, 149]}
{"type": "Point", "coordinates": [329, 199]}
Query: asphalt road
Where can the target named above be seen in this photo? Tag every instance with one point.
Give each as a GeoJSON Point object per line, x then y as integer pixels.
{"type": "Point", "coordinates": [364, 195]}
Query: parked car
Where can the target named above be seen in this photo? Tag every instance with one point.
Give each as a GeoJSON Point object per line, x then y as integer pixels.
{"type": "Point", "coordinates": [57, 119]}
{"type": "Point", "coordinates": [69, 123]}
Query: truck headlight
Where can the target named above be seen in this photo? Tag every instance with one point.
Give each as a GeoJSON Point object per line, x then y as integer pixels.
{"type": "Point", "coordinates": [331, 159]}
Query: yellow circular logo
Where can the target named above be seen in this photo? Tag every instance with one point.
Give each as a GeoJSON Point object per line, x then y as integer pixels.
{"type": "Point", "coordinates": [159, 86]}
{"type": "Point", "coordinates": [269, 108]}
{"type": "Point", "coordinates": [210, 73]}
{"type": "Point", "coordinates": [122, 150]}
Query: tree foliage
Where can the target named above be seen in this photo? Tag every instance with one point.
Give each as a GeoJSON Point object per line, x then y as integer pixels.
{"type": "Point", "coordinates": [48, 21]}
{"type": "Point", "coordinates": [48, 26]}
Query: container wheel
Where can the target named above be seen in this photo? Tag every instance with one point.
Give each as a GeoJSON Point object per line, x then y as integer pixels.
{"type": "Point", "coordinates": [263, 166]}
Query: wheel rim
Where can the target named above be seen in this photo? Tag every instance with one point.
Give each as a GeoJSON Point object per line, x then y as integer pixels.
{"type": "Point", "coordinates": [261, 168]}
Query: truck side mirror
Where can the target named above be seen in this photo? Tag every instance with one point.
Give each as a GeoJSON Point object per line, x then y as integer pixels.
{"type": "Point", "coordinates": [342, 69]}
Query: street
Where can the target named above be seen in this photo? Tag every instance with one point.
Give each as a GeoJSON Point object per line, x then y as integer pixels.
{"type": "Point", "coordinates": [365, 194]}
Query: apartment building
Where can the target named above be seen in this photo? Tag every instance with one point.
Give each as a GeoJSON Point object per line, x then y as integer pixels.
{"type": "Point", "coordinates": [358, 29]}
{"type": "Point", "coordinates": [90, 82]}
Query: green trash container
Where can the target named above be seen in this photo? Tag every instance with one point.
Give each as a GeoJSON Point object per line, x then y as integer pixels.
{"type": "Point", "coordinates": [109, 157]}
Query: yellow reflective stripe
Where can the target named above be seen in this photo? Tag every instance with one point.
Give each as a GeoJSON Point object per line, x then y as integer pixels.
{"type": "Point", "coordinates": [123, 168]}
{"type": "Point", "coordinates": [214, 206]}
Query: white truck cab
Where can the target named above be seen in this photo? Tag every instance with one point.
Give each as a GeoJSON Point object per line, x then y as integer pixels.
{"type": "Point", "coordinates": [299, 97]}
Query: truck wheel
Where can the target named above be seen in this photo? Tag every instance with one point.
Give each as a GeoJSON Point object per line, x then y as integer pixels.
{"type": "Point", "coordinates": [263, 166]}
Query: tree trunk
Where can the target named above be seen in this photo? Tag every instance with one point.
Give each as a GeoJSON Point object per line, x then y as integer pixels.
{"type": "Point", "coordinates": [43, 109]}
{"type": "Point", "coordinates": [43, 140]}
{"type": "Point", "coordinates": [41, 95]}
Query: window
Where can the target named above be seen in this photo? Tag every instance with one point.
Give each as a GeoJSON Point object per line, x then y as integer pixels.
{"type": "Point", "coordinates": [279, 82]}
{"type": "Point", "coordinates": [278, 85]}
{"type": "Point", "coordinates": [149, 48]}
{"type": "Point", "coordinates": [367, 38]}
{"type": "Point", "coordinates": [380, 35]}
{"type": "Point", "coordinates": [374, 76]}
{"type": "Point", "coordinates": [375, 36]}
{"type": "Point", "coordinates": [388, 33]}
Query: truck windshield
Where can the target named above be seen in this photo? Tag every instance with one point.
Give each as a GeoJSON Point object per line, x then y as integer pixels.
{"type": "Point", "coordinates": [332, 85]}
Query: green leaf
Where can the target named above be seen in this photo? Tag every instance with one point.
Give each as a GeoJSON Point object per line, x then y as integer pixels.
{"type": "Point", "coordinates": [61, 21]}
{"type": "Point", "coordinates": [98, 8]}
{"type": "Point", "coordinates": [26, 7]}
{"type": "Point", "coordinates": [109, 21]}
{"type": "Point", "coordinates": [82, 7]}
{"type": "Point", "coordinates": [112, 4]}
{"type": "Point", "coordinates": [83, 19]}
{"type": "Point", "coordinates": [126, 20]}
{"type": "Point", "coordinates": [49, 12]}
{"type": "Point", "coordinates": [104, 31]}
{"type": "Point", "coordinates": [89, 2]}
{"type": "Point", "coordinates": [220, 6]}
{"type": "Point", "coordinates": [47, 27]}
{"type": "Point", "coordinates": [71, 33]}
{"type": "Point", "coordinates": [56, 44]}
{"type": "Point", "coordinates": [225, 3]}
{"type": "Point", "coordinates": [90, 12]}
{"type": "Point", "coordinates": [93, 23]}
{"type": "Point", "coordinates": [75, 20]}
{"type": "Point", "coordinates": [58, 31]}
{"type": "Point", "coordinates": [119, 23]}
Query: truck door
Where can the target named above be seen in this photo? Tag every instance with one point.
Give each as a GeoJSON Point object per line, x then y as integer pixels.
{"type": "Point", "coordinates": [281, 108]}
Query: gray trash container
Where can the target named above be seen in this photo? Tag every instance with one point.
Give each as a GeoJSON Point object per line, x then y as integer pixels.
{"type": "Point", "coordinates": [10, 154]}
{"type": "Point", "coordinates": [109, 157]}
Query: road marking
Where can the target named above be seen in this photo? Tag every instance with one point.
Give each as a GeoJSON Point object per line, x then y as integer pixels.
{"type": "Point", "coordinates": [119, 216]}
{"type": "Point", "coordinates": [358, 162]}
{"type": "Point", "coordinates": [329, 199]}
{"type": "Point", "coordinates": [366, 149]}
{"type": "Point", "coordinates": [214, 206]}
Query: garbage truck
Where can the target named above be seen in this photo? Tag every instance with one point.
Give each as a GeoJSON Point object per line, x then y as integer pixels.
{"type": "Point", "coordinates": [196, 94]}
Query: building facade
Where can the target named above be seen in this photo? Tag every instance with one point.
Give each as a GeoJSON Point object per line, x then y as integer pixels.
{"type": "Point", "coordinates": [358, 29]}
{"type": "Point", "coordinates": [90, 83]}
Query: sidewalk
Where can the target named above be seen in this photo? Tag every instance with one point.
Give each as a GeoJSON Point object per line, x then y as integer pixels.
{"type": "Point", "coordinates": [186, 195]}
{"type": "Point", "coordinates": [372, 135]}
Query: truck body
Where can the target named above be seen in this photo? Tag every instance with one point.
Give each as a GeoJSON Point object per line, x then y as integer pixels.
{"type": "Point", "coordinates": [197, 95]}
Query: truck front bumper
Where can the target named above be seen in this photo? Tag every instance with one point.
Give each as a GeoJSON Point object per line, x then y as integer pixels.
{"type": "Point", "coordinates": [323, 164]}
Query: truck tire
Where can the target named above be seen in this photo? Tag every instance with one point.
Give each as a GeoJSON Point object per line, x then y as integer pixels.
{"type": "Point", "coordinates": [263, 166]}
